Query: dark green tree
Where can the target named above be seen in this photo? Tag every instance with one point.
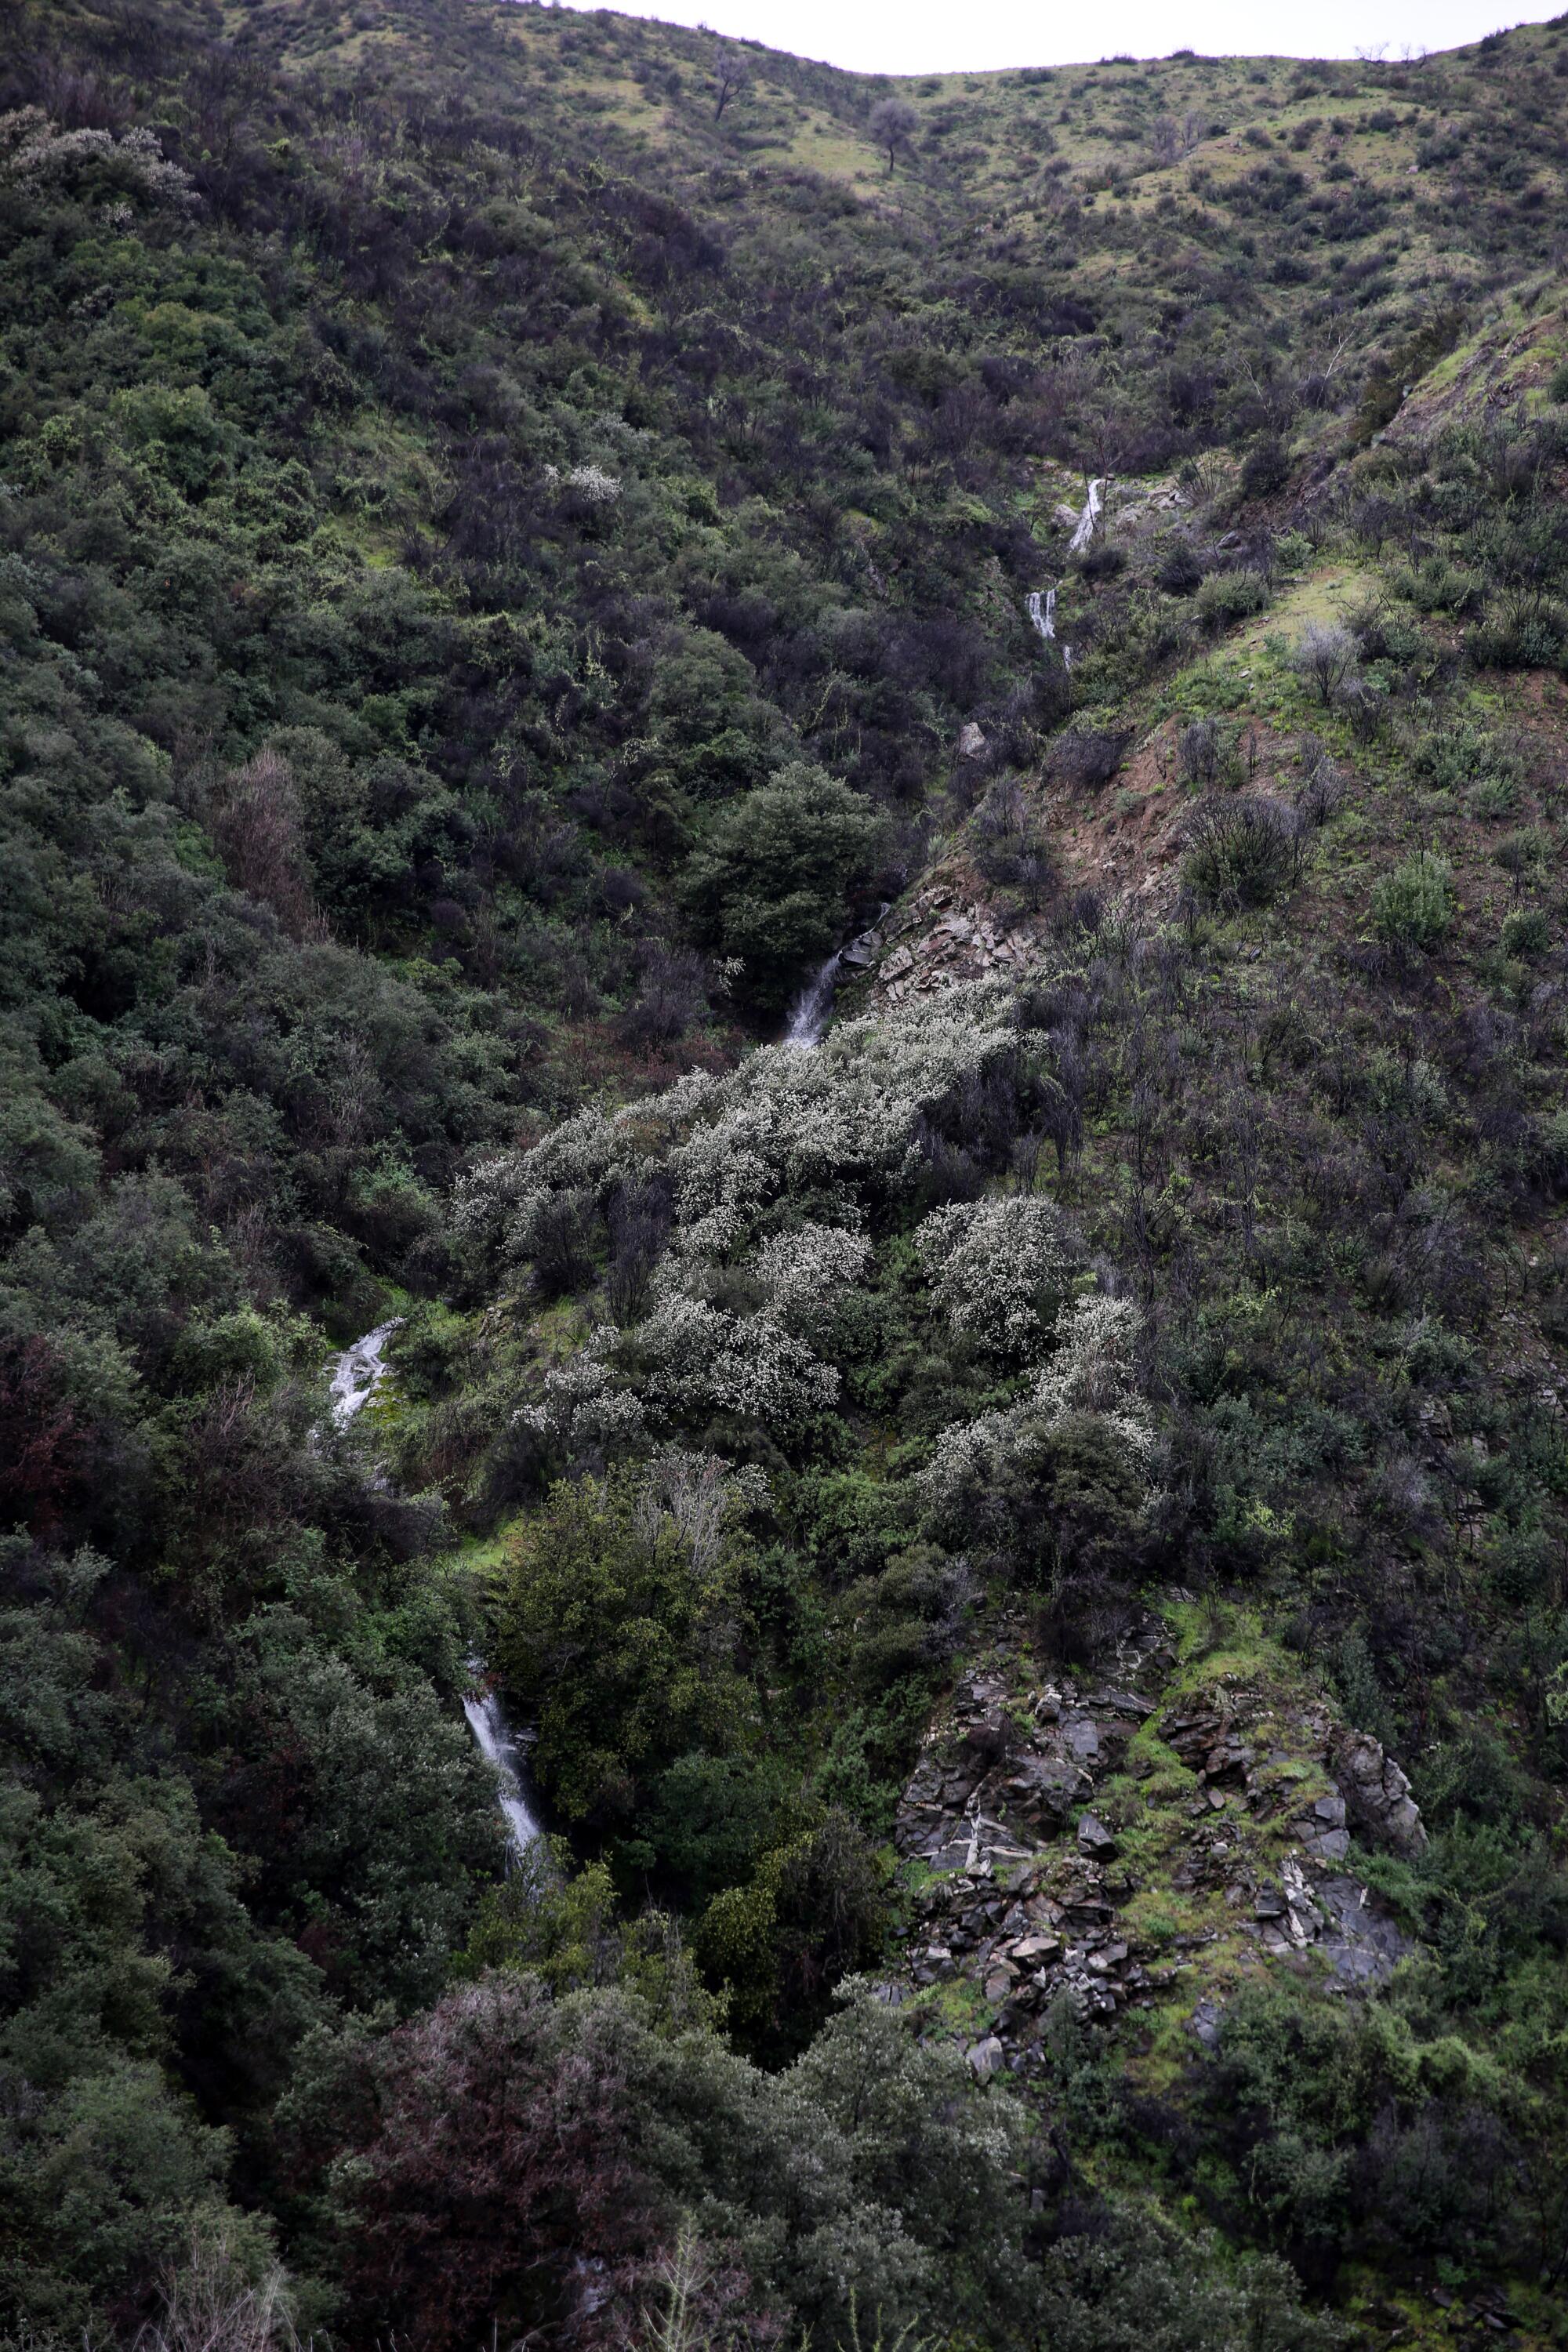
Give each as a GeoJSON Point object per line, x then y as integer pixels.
{"type": "Point", "coordinates": [769, 881]}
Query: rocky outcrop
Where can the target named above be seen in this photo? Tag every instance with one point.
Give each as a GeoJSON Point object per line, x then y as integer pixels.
{"type": "Point", "coordinates": [1378, 1794]}
{"type": "Point", "coordinates": [1026, 1896]}
{"type": "Point", "coordinates": [932, 942]}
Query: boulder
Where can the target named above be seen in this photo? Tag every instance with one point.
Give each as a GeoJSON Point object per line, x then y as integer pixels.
{"type": "Point", "coordinates": [1095, 1839]}
{"type": "Point", "coordinates": [971, 741]}
{"type": "Point", "coordinates": [986, 2058]}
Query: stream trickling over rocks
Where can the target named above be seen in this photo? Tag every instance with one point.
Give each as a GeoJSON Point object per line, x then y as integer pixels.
{"type": "Point", "coordinates": [808, 1014]}
{"type": "Point", "coordinates": [1041, 603]}
{"type": "Point", "coordinates": [1042, 610]}
{"type": "Point", "coordinates": [807, 1018]}
{"type": "Point", "coordinates": [358, 1372]}
{"type": "Point", "coordinates": [1089, 517]}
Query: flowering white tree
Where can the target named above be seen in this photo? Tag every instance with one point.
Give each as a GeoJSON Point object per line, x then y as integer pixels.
{"type": "Point", "coordinates": [998, 1268]}
{"type": "Point", "coordinates": [690, 1356]}
{"type": "Point", "coordinates": [781, 1123]}
{"type": "Point", "coordinates": [742, 1317]}
{"type": "Point", "coordinates": [805, 1274]}
{"type": "Point", "coordinates": [36, 153]}
{"type": "Point", "coordinates": [593, 484]}
{"type": "Point", "coordinates": [1092, 1370]}
{"type": "Point", "coordinates": [586, 1403]}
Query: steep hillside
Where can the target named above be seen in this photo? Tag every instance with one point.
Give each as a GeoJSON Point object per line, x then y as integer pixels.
{"type": "Point", "coordinates": [1026, 1525]}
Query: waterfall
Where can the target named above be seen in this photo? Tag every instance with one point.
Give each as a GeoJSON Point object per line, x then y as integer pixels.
{"type": "Point", "coordinates": [360, 1370]}
{"type": "Point", "coordinates": [1089, 517]}
{"type": "Point", "coordinates": [808, 1013]}
{"type": "Point", "coordinates": [497, 1744]}
{"type": "Point", "coordinates": [1043, 611]}
{"type": "Point", "coordinates": [357, 1374]}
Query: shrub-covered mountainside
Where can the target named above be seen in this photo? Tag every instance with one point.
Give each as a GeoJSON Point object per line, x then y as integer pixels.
{"type": "Point", "coordinates": [1027, 1525]}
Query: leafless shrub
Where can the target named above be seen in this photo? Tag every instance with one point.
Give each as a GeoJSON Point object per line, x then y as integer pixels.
{"type": "Point", "coordinates": [1010, 846]}
{"type": "Point", "coordinates": [1322, 786]}
{"type": "Point", "coordinates": [1243, 852]}
{"type": "Point", "coordinates": [559, 1244]}
{"type": "Point", "coordinates": [639, 1217]}
{"type": "Point", "coordinates": [1089, 756]}
{"type": "Point", "coordinates": [1169, 140]}
{"type": "Point", "coordinates": [253, 814]}
{"type": "Point", "coordinates": [1325, 655]}
{"type": "Point", "coordinates": [671, 992]}
{"type": "Point", "coordinates": [1365, 709]}
{"type": "Point", "coordinates": [1199, 749]}
{"type": "Point", "coordinates": [210, 2305]}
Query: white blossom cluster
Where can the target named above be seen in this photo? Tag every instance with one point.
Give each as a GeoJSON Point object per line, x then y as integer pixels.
{"type": "Point", "coordinates": [739, 1312]}
{"type": "Point", "coordinates": [998, 1268]}
{"type": "Point", "coordinates": [805, 1274]}
{"type": "Point", "coordinates": [688, 1356]}
{"type": "Point", "coordinates": [36, 151]}
{"type": "Point", "coordinates": [591, 482]}
{"type": "Point", "coordinates": [782, 1122]}
{"type": "Point", "coordinates": [585, 1404]}
{"type": "Point", "coordinates": [1092, 1369]}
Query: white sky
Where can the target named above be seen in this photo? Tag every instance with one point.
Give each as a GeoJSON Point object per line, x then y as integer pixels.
{"type": "Point", "coordinates": [922, 36]}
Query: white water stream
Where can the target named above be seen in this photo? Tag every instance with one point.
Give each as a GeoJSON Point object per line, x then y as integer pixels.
{"type": "Point", "coordinates": [1089, 517]}
{"type": "Point", "coordinates": [1042, 602]}
{"type": "Point", "coordinates": [808, 1013]}
{"type": "Point", "coordinates": [360, 1372]}
{"type": "Point", "coordinates": [1043, 613]}
{"type": "Point", "coordinates": [499, 1745]}
{"type": "Point", "coordinates": [807, 1018]}
{"type": "Point", "coordinates": [357, 1374]}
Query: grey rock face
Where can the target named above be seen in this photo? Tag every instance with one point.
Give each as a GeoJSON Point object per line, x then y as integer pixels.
{"type": "Point", "coordinates": [1025, 1889]}
{"type": "Point", "coordinates": [1377, 1794]}
{"type": "Point", "coordinates": [1360, 1940]}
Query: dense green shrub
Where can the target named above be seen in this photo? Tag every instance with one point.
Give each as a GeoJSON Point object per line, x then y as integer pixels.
{"type": "Point", "coordinates": [625, 1656]}
{"type": "Point", "coordinates": [1526, 933]}
{"type": "Point", "coordinates": [1228, 596]}
{"type": "Point", "coordinates": [1413, 905]}
{"type": "Point", "coordinates": [1243, 852]}
{"type": "Point", "coordinates": [1265, 468]}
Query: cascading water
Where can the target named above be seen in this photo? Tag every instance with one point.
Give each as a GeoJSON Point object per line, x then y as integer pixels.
{"type": "Point", "coordinates": [1042, 611]}
{"type": "Point", "coordinates": [1089, 517]}
{"type": "Point", "coordinates": [808, 1013]}
{"type": "Point", "coordinates": [1042, 602]}
{"type": "Point", "coordinates": [360, 1370]}
{"type": "Point", "coordinates": [357, 1374]}
{"type": "Point", "coordinates": [497, 1744]}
